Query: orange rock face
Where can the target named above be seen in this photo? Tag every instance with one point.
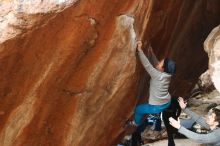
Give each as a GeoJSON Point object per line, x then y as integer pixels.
{"type": "Point", "coordinates": [69, 71]}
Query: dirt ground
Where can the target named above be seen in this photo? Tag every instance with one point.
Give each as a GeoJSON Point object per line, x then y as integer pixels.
{"type": "Point", "coordinates": [178, 142]}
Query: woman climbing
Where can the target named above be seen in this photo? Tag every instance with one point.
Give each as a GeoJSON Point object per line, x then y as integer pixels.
{"type": "Point", "coordinates": [160, 73]}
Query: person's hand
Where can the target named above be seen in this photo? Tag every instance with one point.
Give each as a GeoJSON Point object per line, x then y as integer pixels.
{"type": "Point", "coordinates": [182, 103]}
{"type": "Point", "coordinates": [139, 45]}
{"type": "Point", "coordinates": [175, 123]}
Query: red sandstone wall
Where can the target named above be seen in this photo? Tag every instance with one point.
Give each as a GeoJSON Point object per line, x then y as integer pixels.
{"type": "Point", "coordinates": [69, 76]}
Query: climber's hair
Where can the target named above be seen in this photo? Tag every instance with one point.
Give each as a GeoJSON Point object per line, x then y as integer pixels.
{"type": "Point", "coordinates": [216, 111]}
{"type": "Point", "coordinates": [169, 66]}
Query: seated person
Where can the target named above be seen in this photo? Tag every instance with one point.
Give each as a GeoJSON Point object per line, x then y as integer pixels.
{"type": "Point", "coordinates": [210, 122]}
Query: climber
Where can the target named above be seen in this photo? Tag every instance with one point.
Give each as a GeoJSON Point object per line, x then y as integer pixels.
{"type": "Point", "coordinates": [211, 123]}
{"type": "Point", "coordinates": [159, 97]}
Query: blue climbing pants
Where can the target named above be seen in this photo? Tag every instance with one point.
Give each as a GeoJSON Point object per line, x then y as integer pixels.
{"type": "Point", "coordinates": [147, 108]}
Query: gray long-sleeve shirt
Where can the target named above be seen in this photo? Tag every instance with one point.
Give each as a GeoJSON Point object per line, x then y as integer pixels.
{"type": "Point", "coordinates": [211, 139]}
{"type": "Point", "coordinates": [159, 82]}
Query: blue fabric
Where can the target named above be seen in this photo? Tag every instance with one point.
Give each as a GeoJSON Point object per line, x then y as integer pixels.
{"type": "Point", "coordinates": [147, 108]}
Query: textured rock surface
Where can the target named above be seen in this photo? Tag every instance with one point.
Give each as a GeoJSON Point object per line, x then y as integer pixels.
{"type": "Point", "coordinates": [18, 16]}
{"type": "Point", "coordinates": [212, 47]}
{"type": "Point", "coordinates": [69, 73]}
{"type": "Point", "coordinates": [205, 81]}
